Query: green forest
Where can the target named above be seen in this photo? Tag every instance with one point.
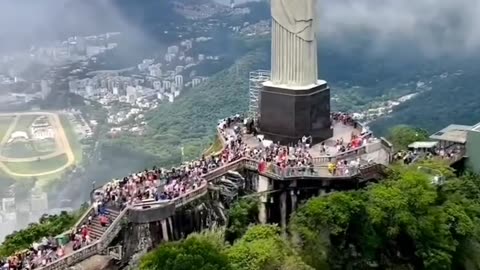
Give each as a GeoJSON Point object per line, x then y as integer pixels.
{"type": "Point", "coordinates": [404, 222]}
{"type": "Point", "coordinates": [453, 100]}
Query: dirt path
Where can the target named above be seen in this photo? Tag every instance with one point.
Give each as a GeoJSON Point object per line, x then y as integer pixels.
{"type": "Point", "coordinates": [62, 142]}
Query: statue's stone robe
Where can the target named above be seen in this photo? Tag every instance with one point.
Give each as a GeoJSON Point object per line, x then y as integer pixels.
{"type": "Point", "coordinates": [294, 45]}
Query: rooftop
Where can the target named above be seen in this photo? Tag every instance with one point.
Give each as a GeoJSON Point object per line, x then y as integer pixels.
{"type": "Point", "coordinates": [452, 133]}
{"type": "Point", "coordinates": [476, 127]}
{"type": "Point", "coordinates": [417, 145]}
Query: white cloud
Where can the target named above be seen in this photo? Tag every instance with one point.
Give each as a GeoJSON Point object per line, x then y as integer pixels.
{"type": "Point", "coordinates": [435, 26]}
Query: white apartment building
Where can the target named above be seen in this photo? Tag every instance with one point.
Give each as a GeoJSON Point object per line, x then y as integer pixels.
{"type": "Point", "coordinates": [196, 82]}
{"type": "Point", "coordinates": [169, 57]}
{"type": "Point", "coordinates": [167, 84]}
{"type": "Point", "coordinates": [173, 49]}
{"type": "Point", "coordinates": [179, 69]}
{"type": "Point", "coordinates": [179, 81]}
{"type": "Point", "coordinates": [157, 85]}
{"type": "Point", "coordinates": [131, 94]}
{"type": "Point", "coordinates": [43, 133]}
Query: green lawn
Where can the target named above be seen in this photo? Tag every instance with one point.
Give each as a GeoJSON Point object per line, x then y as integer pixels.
{"type": "Point", "coordinates": [39, 166]}
{"type": "Point", "coordinates": [24, 123]}
{"type": "Point", "coordinates": [5, 122]}
{"type": "Point", "coordinates": [45, 146]}
{"type": "Point", "coordinates": [72, 138]}
{"type": "Point", "coordinates": [20, 149]}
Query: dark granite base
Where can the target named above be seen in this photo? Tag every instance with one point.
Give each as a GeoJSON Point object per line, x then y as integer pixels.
{"type": "Point", "coordinates": [287, 115]}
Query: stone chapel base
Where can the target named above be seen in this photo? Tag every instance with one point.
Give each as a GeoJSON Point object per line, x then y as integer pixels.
{"type": "Point", "coordinates": [289, 113]}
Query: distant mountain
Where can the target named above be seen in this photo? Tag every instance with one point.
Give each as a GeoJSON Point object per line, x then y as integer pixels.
{"type": "Point", "coordinates": [364, 77]}
{"type": "Point", "coordinates": [454, 99]}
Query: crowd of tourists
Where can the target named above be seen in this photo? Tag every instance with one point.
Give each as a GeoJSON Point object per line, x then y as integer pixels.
{"type": "Point", "coordinates": [452, 153]}
{"type": "Point", "coordinates": [39, 255]}
{"type": "Point", "coordinates": [153, 185]}
{"type": "Point", "coordinates": [164, 185]}
{"type": "Point", "coordinates": [51, 249]}
{"type": "Point", "coordinates": [288, 160]}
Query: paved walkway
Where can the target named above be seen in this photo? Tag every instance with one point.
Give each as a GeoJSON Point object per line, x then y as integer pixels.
{"type": "Point", "coordinates": [339, 131]}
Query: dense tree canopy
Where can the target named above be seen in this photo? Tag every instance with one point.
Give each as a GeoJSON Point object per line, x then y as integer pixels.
{"type": "Point", "coordinates": [241, 215]}
{"type": "Point", "coordinates": [262, 247]}
{"type": "Point", "coordinates": [197, 252]}
{"type": "Point", "coordinates": [401, 136]}
{"type": "Point", "coordinates": [406, 222]}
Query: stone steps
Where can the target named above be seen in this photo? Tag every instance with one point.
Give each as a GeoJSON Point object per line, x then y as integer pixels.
{"type": "Point", "coordinates": [96, 229]}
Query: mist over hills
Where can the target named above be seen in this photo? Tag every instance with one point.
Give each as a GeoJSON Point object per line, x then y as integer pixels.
{"type": "Point", "coordinates": [24, 22]}
{"type": "Point", "coordinates": [371, 44]}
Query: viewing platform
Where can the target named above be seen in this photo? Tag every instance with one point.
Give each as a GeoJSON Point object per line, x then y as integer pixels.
{"type": "Point", "coordinates": [324, 155]}
{"type": "Point", "coordinates": [360, 157]}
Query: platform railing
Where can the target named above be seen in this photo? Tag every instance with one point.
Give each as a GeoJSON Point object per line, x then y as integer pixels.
{"type": "Point", "coordinates": [273, 171]}
{"type": "Point", "coordinates": [235, 165]}
{"type": "Point", "coordinates": [73, 258]}
{"type": "Point", "coordinates": [308, 172]}
{"type": "Point", "coordinates": [113, 230]}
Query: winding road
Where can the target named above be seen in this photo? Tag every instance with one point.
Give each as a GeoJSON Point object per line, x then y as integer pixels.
{"type": "Point", "coordinates": [63, 145]}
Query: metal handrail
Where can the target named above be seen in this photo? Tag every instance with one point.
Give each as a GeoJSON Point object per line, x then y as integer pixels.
{"type": "Point", "coordinates": [106, 237]}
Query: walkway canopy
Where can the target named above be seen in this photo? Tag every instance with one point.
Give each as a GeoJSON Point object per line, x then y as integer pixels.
{"type": "Point", "coordinates": [453, 134]}
{"type": "Point", "coordinates": [423, 146]}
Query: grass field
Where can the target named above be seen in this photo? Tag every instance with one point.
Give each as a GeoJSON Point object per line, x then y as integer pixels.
{"type": "Point", "coordinates": [72, 138]}
{"type": "Point", "coordinates": [45, 146]}
{"type": "Point", "coordinates": [24, 122]}
{"type": "Point", "coordinates": [20, 150]}
{"type": "Point", "coordinates": [5, 122]}
{"type": "Point", "coordinates": [39, 166]}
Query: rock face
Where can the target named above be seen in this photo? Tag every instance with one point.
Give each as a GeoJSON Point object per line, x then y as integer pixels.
{"type": "Point", "coordinates": [136, 239]}
{"type": "Point", "coordinates": [97, 262]}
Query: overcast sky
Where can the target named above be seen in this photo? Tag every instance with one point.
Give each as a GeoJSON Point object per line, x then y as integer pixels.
{"type": "Point", "coordinates": [437, 25]}
{"type": "Point", "coordinates": [433, 25]}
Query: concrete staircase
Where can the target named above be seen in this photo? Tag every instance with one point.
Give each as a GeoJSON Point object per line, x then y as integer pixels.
{"type": "Point", "coordinates": [97, 230]}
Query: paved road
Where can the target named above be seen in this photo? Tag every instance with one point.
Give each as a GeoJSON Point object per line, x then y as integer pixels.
{"type": "Point", "coordinates": [61, 140]}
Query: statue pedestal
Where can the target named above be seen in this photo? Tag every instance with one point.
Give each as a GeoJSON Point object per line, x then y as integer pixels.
{"type": "Point", "coordinates": [289, 113]}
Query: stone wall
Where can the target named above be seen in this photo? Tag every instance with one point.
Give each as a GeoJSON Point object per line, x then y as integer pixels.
{"type": "Point", "coordinates": [168, 224]}
{"type": "Point", "coordinates": [151, 213]}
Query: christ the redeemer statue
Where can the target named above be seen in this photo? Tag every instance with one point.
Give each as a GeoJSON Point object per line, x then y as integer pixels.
{"type": "Point", "coordinates": [294, 46]}
{"type": "Point", "coordinates": [294, 103]}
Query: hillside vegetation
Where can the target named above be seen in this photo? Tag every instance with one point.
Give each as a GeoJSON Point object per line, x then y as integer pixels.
{"type": "Point", "coordinates": [453, 100]}
{"type": "Point", "coordinates": [190, 121]}
{"type": "Point", "coordinates": [405, 222]}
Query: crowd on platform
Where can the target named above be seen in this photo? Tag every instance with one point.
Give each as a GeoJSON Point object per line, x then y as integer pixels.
{"type": "Point", "coordinates": [165, 185]}
{"type": "Point", "coordinates": [288, 160]}
{"type": "Point", "coordinates": [37, 256]}
{"type": "Point", "coordinates": [451, 154]}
